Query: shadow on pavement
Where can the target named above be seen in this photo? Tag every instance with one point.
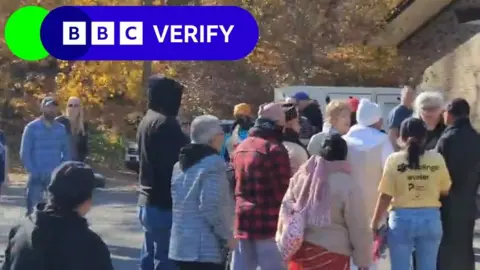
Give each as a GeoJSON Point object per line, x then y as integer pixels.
{"type": "Point", "coordinates": [114, 196]}
{"type": "Point", "coordinates": [124, 258]}
{"type": "Point", "coordinates": [102, 196]}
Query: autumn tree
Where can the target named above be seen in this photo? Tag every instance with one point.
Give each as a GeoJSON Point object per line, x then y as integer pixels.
{"type": "Point", "coordinates": [302, 42]}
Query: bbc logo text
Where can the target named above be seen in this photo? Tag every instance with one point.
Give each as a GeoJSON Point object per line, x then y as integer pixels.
{"type": "Point", "coordinates": [102, 33]}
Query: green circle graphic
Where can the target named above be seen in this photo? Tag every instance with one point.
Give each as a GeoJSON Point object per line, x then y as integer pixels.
{"type": "Point", "coordinates": [22, 33]}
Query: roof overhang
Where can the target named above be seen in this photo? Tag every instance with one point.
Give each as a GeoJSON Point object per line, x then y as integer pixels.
{"type": "Point", "coordinates": [406, 23]}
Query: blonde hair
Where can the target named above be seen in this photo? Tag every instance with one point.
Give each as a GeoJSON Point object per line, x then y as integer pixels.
{"type": "Point", "coordinates": [427, 99]}
{"type": "Point", "coordinates": [334, 108]}
{"type": "Point", "coordinates": [77, 125]}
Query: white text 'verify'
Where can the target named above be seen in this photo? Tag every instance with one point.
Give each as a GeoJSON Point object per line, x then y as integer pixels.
{"type": "Point", "coordinates": [192, 33]}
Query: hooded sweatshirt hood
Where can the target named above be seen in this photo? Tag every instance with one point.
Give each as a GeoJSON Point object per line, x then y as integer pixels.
{"type": "Point", "coordinates": [164, 95]}
{"type": "Point", "coordinates": [192, 154]}
{"type": "Point", "coordinates": [365, 137]}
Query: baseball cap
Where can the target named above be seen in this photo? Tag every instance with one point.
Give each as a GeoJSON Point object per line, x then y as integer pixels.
{"type": "Point", "coordinates": [48, 101]}
{"type": "Point", "coordinates": [458, 107]}
{"type": "Point", "coordinates": [72, 183]}
{"type": "Point", "coordinates": [301, 96]}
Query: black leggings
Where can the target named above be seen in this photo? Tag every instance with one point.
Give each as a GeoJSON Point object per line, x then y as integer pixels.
{"type": "Point", "coordinates": [199, 266]}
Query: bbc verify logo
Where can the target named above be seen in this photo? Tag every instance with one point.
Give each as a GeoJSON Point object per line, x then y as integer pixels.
{"type": "Point", "coordinates": [131, 33]}
{"type": "Point", "coordinates": [141, 33]}
{"type": "Point", "coordinates": [103, 33]}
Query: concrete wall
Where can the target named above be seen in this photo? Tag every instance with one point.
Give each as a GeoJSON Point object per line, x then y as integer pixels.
{"type": "Point", "coordinates": [445, 55]}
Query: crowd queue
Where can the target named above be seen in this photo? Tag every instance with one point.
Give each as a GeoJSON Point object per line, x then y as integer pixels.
{"type": "Point", "coordinates": [286, 189]}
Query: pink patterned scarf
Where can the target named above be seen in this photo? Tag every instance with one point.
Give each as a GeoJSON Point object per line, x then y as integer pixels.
{"type": "Point", "coordinates": [312, 181]}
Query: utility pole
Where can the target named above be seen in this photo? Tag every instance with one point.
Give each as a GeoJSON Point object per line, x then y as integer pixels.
{"type": "Point", "coordinates": [147, 65]}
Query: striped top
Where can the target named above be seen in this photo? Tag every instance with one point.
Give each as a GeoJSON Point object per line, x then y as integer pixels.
{"type": "Point", "coordinates": [202, 211]}
{"type": "Point", "coordinates": [44, 147]}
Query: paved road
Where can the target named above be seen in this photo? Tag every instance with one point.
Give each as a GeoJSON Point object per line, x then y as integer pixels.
{"type": "Point", "coordinates": [114, 218]}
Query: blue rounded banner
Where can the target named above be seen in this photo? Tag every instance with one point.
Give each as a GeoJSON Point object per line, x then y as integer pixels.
{"type": "Point", "coordinates": [149, 33]}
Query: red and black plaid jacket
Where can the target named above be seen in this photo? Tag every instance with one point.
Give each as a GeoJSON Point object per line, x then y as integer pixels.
{"type": "Point", "coordinates": [262, 174]}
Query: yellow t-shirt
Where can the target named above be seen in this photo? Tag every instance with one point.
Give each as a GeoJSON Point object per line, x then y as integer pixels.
{"type": "Point", "coordinates": [415, 188]}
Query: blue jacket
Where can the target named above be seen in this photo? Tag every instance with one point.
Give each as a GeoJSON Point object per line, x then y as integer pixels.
{"type": "Point", "coordinates": [203, 211]}
{"type": "Point", "coordinates": [43, 148]}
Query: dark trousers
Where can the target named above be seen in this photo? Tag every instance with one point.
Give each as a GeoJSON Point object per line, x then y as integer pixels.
{"type": "Point", "coordinates": [199, 266]}
{"type": "Point", "coordinates": [414, 261]}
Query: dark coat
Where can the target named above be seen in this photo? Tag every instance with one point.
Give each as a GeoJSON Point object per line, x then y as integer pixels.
{"type": "Point", "coordinates": [434, 135]}
{"type": "Point", "coordinates": [160, 139]}
{"type": "Point", "coordinates": [82, 144]}
{"type": "Point", "coordinates": [55, 240]}
{"type": "Point", "coordinates": [314, 115]}
{"type": "Point", "coordinates": [460, 146]}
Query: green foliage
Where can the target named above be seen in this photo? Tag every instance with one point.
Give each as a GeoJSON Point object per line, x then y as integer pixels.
{"type": "Point", "coordinates": [106, 147]}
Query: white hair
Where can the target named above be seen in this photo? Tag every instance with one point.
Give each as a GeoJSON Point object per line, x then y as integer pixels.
{"type": "Point", "coordinates": [427, 99]}
{"type": "Point", "coordinates": [204, 128]}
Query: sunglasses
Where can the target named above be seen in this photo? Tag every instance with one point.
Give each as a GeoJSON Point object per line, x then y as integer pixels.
{"type": "Point", "coordinates": [430, 109]}
{"type": "Point", "coordinates": [73, 105]}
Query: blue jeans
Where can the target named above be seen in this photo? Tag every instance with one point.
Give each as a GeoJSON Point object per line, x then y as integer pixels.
{"type": "Point", "coordinates": [257, 254]}
{"type": "Point", "coordinates": [156, 224]}
{"type": "Point", "coordinates": [36, 188]}
{"type": "Point", "coordinates": [414, 228]}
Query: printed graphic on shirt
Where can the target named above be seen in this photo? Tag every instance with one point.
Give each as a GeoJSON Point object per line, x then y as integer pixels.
{"type": "Point", "coordinates": [415, 188]}
{"type": "Point", "coordinates": [417, 180]}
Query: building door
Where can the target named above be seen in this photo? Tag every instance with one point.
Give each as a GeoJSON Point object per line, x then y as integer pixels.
{"type": "Point", "coordinates": [387, 103]}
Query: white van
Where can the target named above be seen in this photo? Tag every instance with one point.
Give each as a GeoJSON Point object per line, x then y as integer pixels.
{"type": "Point", "coordinates": [386, 97]}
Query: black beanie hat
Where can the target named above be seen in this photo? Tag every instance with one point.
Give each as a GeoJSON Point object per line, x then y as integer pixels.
{"type": "Point", "coordinates": [72, 184]}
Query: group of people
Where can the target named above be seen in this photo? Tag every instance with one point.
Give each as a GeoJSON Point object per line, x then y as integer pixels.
{"type": "Point", "coordinates": [286, 204]}
{"type": "Point", "coordinates": [352, 182]}
{"type": "Point", "coordinates": [46, 142]}
{"type": "Point", "coordinates": [55, 234]}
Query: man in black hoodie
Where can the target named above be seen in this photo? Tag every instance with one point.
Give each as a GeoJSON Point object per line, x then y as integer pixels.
{"type": "Point", "coordinates": [56, 236]}
{"type": "Point", "coordinates": [160, 138]}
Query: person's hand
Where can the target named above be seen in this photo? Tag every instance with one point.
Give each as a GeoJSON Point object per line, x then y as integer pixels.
{"type": "Point", "coordinates": [232, 243]}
